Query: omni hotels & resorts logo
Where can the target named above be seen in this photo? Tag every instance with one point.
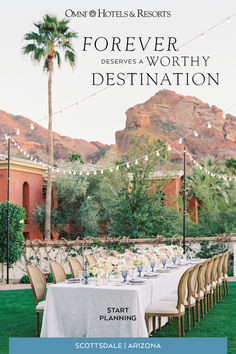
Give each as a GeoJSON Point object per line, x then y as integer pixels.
{"type": "Point", "coordinates": [103, 13]}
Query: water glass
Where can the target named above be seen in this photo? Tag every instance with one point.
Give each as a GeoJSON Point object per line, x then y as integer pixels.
{"type": "Point", "coordinates": [139, 269]}
{"type": "Point", "coordinates": [174, 259]}
{"type": "Point", "coordinates": [124, 275]}
{"type": "Point", "coordinates": [164, 262]}
{"type": "Point", "coordinates": [152, 264]}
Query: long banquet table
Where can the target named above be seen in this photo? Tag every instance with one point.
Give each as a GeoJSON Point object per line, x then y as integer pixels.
{"type": "Point", "coordinates": [78, 310]}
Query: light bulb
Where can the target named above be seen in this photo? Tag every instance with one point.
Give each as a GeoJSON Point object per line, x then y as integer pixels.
{"type": "Point", "coordinates": [111, 169]}
{"type": "Point", "coordinates": [87, 173]}
{"type": "Point", "coordinates": [117, 168]}
{"type": "Point", "coordinates": [127, 165]}
{"type": "Point", "coordinates": [95, 172]}
{"type": "Point", "coordinates": [81, 172]}
{"type": "Point", "coordinates": [202, 36]}
{"type": "Point", "coordinates": [223, 115]}
{"type": "Point", "coordinates": [101, 171]}
{"type": "Point", "coordinates": [169, 148]}
{"type": "Point", "coordinates": [195, 133]}
{"type": "Point", "coordinates": [209, 125]}
{"type": "Point", "coordinates": [146, 158]}
{"type": "Point", "coordinates": [31, 126]}
{"type": "Point", "coordinates": [17, 131]}
{"type": "Point", "coordinates": [180, 141]}
{"type": "Point", "coordinates": [228, 20]}
{"type": "Point", "coordinates": [136, 162]}
{"type": "Point", "coordinates": [157, 153]}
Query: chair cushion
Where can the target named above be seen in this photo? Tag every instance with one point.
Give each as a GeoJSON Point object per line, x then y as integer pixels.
{"type": "Point", "coordinates": [174, 297]}
{"type": "Point", "coordinates": [164, 307]}
{"type": "Point", "coordinates": [41, 305]}
{"type": "Point", "coordinates": [201, 294]}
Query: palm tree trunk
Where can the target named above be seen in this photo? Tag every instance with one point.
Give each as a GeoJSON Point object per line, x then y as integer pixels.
{"type": "Point", "coordinates": [47, 235]}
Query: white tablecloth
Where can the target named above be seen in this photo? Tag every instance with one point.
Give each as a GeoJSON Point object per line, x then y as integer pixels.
{"type": "Point", "coordinates": [74, 310]}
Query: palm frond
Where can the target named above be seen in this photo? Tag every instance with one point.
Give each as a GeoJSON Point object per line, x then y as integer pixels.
{"type": "Point", "coordinates": [58, 57]}
{"type": "Point", "coordinates": [70, 57]}
{"type": "Point", "coordinates": [29, 48]}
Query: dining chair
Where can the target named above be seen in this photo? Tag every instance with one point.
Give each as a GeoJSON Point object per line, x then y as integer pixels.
{"type": "Point", "coordinates": [115, 253]}
{"type": "Point", "coordinates": [200, 293]}
{"type": "Point", "coordinates": [38, 285]}
{"type": "Point", "coordinates": [90, 259]}
{"type": "Point", "coordinates": [225, 271]}
{"type": "Point", "coordinates": [170, 309]}
{"type": "Point", "coordinates": [219, 271]}
{"type": "Point", "coordinates": [58, 272]}
{"type": "Point", "coordinates": [75, 266]}
{"type": "Point", "coordinates": [214, 279]}
{"type": "Point", "coordinates": [190, 301]}
{"type": "Point", "coordinates": [103, 254]}
{"type": "Point", "coordinates": [207, 285]}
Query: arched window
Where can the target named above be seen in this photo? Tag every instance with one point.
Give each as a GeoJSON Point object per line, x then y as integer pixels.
{"type": "Point", "coordinates": [26, 200]}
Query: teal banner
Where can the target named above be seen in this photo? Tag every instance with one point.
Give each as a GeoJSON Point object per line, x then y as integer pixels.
{"type": "Point", "coordinates": [117, 345]}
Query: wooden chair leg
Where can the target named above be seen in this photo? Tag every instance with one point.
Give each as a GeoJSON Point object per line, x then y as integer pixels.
{"type": "Point", "coordinates": [178, 319]}
{"type": "Point", "coordinates": [147, 322]}
{"type": "Point", "coordinates": [154, 324]}
{"type": "Point", "coordinates": [217, 293]}
{"type": "Point", "coordinates": [224, 287]}
{"type": "Point", "coordinates": [194, 316]}
{"type": "Point", "coordinates": [159, 323]}
{"type": "Point", "coordinates": [212, 297]}
{"type": "Point", "coordinates": [227, 289]}
{"type": "Point", "coordinates": [220, 294]}
{"type": "Point", "coordinates": [205, 298]}
{"type": "Point", "coordinates": [208, 302]}
{"type": "Point", "coordinates": [215, 296]}
{"type": "Point", "coordinates": [198, 311]}
{"type": "Point", "coordinates": [188, 314]}
{"type": "Point", "coordinates": [182, 325]}
{"type": "Point", "coordinates": [37, 324]}
{"type": "Point", "coordinates": [202, 308]}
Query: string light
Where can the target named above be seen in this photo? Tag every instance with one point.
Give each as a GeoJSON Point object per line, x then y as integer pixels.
{"type": "Point", "coordinates": [169, 148]}
{"type": "Point", "coordinates": [146, 158]}
{"type": "Point", "coordinates": [101, 171]}
{"type": "Point", "coordinates": [209, 125]}
{"type": "Point", "coordinates": [180, 141]}
{"type": "Point", "coordinates": [17, 131]}
{"type": "Point", "coordinates": [224, 115]}
{"type": "Point", "coordinates": [117, 168]}
{"type": "Point", "coordinates": [136, 162]}
{"type": "Point", "coordinates": [31, 126]}
{"type": "Point", "coordinates": [157, 153]}
{"type": "Point", "coordinates": [195, 133]}
{"type": "Point", "coordinates": [111, 169]}
{"type": "Point", "coordinates": [127, 165]}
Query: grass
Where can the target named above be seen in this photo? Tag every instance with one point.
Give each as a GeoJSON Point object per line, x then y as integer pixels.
{"type": "Point", "coordinates": [18, 319]}
{"type": "Point", "coordinates": [220, 321]}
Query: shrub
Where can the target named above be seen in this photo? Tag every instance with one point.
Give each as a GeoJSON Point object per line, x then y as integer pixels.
{"type": "Point", "coordinates": [16, 226]}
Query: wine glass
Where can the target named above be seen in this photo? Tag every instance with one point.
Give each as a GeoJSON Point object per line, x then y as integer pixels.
{"type": "Point", "coordinates": [139, 269]}
{"type": "Point", "coordinates": [174, 259]}
{"type": "Point", "coordinates": [124, 275]}
{"type": "Point", "coordinates": [152, 264]}
{"type": "Point", "coordinates": [80, 275]}
{"type": "Point", "coordinates": [164, 262]}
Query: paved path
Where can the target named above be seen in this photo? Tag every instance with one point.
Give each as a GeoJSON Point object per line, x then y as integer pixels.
{"type": "Point", "coordinates": [27, 286]}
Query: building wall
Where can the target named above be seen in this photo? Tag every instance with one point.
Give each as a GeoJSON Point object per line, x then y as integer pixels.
{"type": "Point", "coordinates": [17, 180]}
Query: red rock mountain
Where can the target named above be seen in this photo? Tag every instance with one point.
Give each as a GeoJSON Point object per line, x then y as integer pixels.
{"type": "Point", "coordinates": [169, 116]}
{"type": "Point", "coordinates": [35, 141]}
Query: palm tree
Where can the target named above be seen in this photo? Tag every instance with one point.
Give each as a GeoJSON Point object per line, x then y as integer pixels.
{"type": "Point", "coordinates": [50, 37]}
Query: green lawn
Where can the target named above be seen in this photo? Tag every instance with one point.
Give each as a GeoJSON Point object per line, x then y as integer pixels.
{"type": "Point", "coordinates": [18, 319]}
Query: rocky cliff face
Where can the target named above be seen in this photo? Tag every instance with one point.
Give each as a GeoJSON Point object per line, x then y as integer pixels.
{"type": "Point", "coordinates": [35, 141]}
{"type": "Point", "coordinates": [170, 116]}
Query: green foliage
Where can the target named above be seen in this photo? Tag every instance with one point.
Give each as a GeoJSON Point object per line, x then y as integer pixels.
{"type": "Point", "coordinates": [231, 165]}
{"type": "Point", "coordinates": [217, 201]}
{"type": "Point", "coordinates": [16, 226]}
{"type": "Point", "coordinates": [51, 37]}
{"type": "Point", "coordinates": [133, 205]}
{"type": "Point", "coordinates": [76, 157]}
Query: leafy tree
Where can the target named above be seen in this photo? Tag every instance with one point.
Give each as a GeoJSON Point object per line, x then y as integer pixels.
{"type": "Point", "coordinates": [51, 37]}
{"type": "Point", "coordinates": [231, 165]}
{"type": "Point", "coordinates": [76, 157]}
{"type": "Point", "coordinates": [133, 203]}
{"type": "Point", "coordinates": [16, 226]}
